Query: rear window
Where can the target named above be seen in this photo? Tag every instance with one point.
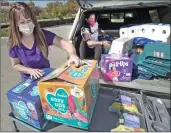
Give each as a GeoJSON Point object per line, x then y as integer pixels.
{"type": "Point", "coordinates": [154, 16]}
{"type": "Point", "coordinates": [117, 18]}
{"type": "Point", "coordinates": [165, 15]}
{"type": "Point", "coordinates": [161, 15]}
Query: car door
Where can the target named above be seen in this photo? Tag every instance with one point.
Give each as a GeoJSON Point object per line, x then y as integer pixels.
{"type": "Point", "coordinates": [73, 29]}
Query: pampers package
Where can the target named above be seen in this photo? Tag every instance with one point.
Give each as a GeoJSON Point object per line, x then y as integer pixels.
{"type": "Point", "coordinates": [68, 94]}
{"type": "Point", "coordinates": [25, 102]}
{"type": "Point", "coordinates": [116, 68]}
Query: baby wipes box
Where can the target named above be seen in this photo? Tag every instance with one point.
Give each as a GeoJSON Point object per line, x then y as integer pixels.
{"type": "Point", "coordinates": [121, 45]}
{"type": "Point", "coordinates": [116, 68]}
{"type": "Point", "coordinates": [25, 102]}
{"type": "Point", "coordinates": [68, 94]}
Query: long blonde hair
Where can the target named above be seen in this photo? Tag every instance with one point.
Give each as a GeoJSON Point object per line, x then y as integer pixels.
{"type": "Point", "coordinates": [15, 34]}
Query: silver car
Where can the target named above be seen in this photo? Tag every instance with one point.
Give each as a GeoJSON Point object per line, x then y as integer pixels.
{"type": "Point", "coordinates": [113, 14]}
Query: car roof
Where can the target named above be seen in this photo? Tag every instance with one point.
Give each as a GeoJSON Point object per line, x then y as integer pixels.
{"type": "Point", "coordinates": [91, 4]}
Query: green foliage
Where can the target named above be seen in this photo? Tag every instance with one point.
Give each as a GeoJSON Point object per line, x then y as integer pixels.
{"type": "Point", "coordinates": [52, 10]}
{"type": "Point", "coordinates": [62, 10]}
{"type": "Point", "coordinates": [4, 32]}
{"type": "Point", "coordinates": [3, 15]}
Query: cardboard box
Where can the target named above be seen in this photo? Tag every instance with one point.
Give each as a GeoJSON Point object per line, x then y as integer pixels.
{"type": "Point", "coordinates": [68, 94]}
{"type": "Point", "coordinates": [25, 102]}
{"type": "Point", "coordinates": [116, 68]}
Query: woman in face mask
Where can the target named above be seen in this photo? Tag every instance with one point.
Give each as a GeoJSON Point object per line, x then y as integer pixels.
{"type": "Point", "coordinates": [89, 33]}
{"type": "Point", "coordinates": [28, 43]}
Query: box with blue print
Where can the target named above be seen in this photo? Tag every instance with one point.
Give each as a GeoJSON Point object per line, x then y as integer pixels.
{"type": "Point", "coordinates": [25, 102]}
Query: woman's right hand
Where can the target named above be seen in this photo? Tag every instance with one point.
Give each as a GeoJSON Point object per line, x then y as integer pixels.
{"type": "Point", "coordinates": [35, 73]}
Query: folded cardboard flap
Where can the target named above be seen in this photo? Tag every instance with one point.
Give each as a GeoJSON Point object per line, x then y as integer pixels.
{"type": "Point", "coordinates": [71, 74]}
{"type": "Point", "coordinates": [55, 73]}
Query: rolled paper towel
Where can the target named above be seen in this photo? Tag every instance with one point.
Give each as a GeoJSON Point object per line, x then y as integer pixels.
{"type": "Point", "coordinates": [142, 30]}
{"type": "Point", "coordinates": [133, 31]}
{"type": "Point", "coordinates": [123, 32]}
{"type": "Point", "coordinates": [121, 45]}
{"type": "Point", "coordinates": [154, 32]}
{"type": "Point", "coordinates": [164, 31]}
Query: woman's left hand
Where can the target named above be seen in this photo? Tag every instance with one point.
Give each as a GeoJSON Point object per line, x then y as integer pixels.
{"type": "Point", "coordinates": [74, 59]}
{"type": "Point", "coordinates": [106, 44]}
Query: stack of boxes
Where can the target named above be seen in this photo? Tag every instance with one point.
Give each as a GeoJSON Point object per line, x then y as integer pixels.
{"type": "Point", "coordinates": [66, 95]}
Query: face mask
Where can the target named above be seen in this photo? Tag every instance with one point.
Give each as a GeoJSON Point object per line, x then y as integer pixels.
{"type": "Point", "coordinates": [91, 22]}
{"type": "Point", "coordinates": [27, 29]}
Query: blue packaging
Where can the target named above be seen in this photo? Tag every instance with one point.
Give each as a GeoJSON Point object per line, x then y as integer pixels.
{"type": "Point", "coordinates": [25, 101]}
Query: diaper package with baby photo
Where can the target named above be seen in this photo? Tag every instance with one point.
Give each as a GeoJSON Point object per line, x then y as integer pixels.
{"type": "Point", "coordinates": [116, 68]}
{"type": "Point", "coordinates": [68, 94]}
{"type": "Point", "coordinates": [128, 122]}
{"type": "Point", "coordinates": [25, 102]}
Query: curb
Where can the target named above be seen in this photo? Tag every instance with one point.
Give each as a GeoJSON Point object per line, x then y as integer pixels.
{"type": "Point", "coordinates": [4, 37]}
{"type": "Point", "coordinates": [47, 22]}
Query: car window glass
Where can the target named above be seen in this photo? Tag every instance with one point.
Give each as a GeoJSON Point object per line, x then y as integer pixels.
{"type": "Point", "coordinates": [117, 18]}
{"type": "Point", "coordinates": [154, 16]}
{"type": "Point", "coordinates": [105, 16]}
{"type": "Point", "coordinates": [165, 15]}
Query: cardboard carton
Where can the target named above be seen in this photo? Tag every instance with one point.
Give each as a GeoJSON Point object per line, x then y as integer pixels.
{"type": "Point", "coordinates": [25, 102]}
{"type": "Point", "coordinates": [116, 68]}
{"type": "Point", "coordinates": [68, 94]}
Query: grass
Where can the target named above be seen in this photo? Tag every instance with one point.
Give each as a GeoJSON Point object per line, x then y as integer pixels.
{"type": "Point", "coordinates": [4, 32]}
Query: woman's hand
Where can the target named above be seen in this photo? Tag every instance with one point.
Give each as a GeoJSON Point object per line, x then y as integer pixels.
{"type": "Point", "coordinates": [35, 73]}
{"type": "Point", "coordinates": [106, 44]}
{"type": "Point", "coordinates": [74, 59]}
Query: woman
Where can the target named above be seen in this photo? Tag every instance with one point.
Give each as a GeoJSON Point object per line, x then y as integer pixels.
{"type": "Point", "coordinates": [90, 41]}
{"type": "Point", "coordinates": [28, 43]}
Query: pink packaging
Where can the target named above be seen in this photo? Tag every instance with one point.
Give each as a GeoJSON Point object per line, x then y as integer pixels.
{"type": "Point", "coordinates": [116, 68]}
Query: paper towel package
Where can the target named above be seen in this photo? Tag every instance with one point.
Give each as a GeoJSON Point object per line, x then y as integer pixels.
{"type": "Point", "coordinates": [123, 32]}
{"type": "Point", "coordinates": [142, 30]}
{"type": "Point", "coordinates": [164, 31]}
{"type": "Point", "coordinates": [158, 32]}
{"type": "Point", "coordinates": [121, 45]}
{"type": "Point", "coordinates": [133, 31]}
{"type": "Point", "coordinates": [154, 31]}
{"type": "Point", "coordinates": [116, 68]}
{"type": "Point", "coordinates": [68, 94]}
{"type": "Point", "coordinates": [25, 102]}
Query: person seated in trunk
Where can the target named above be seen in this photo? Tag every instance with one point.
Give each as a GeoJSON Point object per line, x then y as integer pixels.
{"type": "Point", "coordinates": [90, 43]}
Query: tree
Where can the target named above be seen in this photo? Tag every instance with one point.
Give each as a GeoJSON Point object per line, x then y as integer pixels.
{"type": "Point", "coordinates": [31, 4]}
{"type": "Point", "coordinates": [36, 10]}
{"type": "Point", "coordinates": [72, 6]}
{"type": "Point", "coordinates": [4, 15]}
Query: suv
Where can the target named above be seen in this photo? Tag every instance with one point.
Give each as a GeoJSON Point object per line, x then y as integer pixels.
{"type": "Point", "coordinates": [111, 16]}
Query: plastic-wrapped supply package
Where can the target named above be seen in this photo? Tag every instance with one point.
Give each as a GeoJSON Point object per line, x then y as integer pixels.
{"type": "Point", "coordinates": [123, 32]}
{"type": "Point", "coordinates": [121, 45]}
{"type": "Point", "coordinates": [154, 31]}
{"type": "Point", "coordinates": [133, 31]}
{"type": "Point", "coordinates": [164, 31]}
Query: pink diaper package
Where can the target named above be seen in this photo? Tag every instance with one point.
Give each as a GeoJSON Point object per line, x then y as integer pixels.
{"type": "Point", "coordinates": [116, 68]}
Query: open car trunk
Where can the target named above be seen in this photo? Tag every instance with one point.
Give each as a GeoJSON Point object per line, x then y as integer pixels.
{"type": "Point", "coordinates": [112, 18]}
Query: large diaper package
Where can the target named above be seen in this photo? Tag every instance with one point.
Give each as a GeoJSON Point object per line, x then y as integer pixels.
{"type": "Point", "coordinates": [157, 32]}
{"type": "Point", "coordinates": [25, 102]}
{"type": "Point", "coordinates": [68, 94]}
{"type": "Point", "coordinates": [116, 68]}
